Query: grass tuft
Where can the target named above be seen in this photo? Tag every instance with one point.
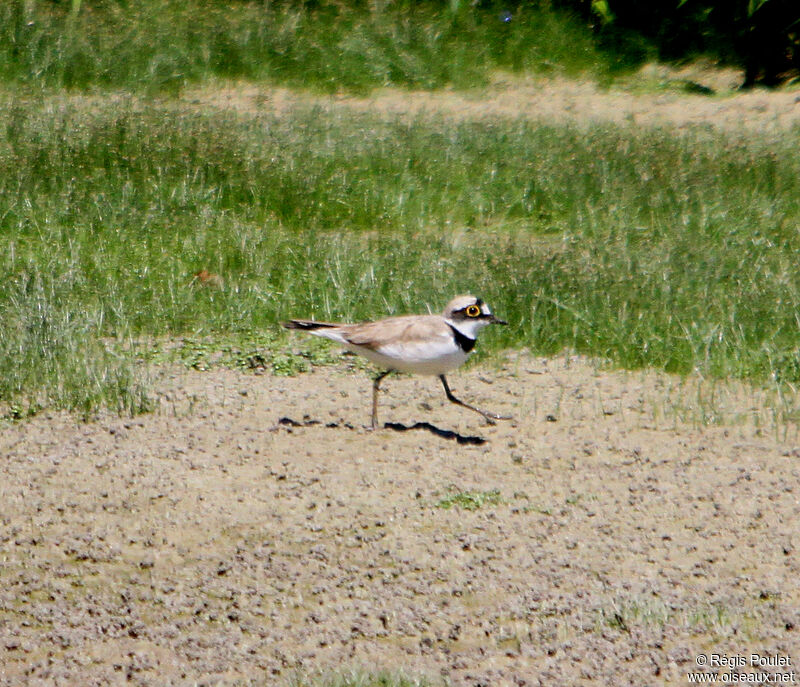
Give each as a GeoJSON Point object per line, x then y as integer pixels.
{"type": "Point", "coordinates": [715, 619]}
{"type": "Point", "coordinates": [361, 678]}
{"type": "Point", "coordinates": [50, 355]}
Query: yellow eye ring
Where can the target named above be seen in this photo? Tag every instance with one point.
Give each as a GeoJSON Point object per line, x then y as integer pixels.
{"type": "Point", "coordinates": [473, 311]}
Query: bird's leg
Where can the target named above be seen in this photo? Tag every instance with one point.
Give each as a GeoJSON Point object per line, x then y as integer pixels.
{"type": "Point", "coordinates": [490, 417]}
{"type": "Point", "coordinates": [376, 383]}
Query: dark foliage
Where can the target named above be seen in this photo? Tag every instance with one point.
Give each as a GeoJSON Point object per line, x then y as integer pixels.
{"type": "Point", "coordinates": [763, 36]}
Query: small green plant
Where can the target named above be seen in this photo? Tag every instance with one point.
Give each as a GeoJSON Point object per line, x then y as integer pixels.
{"type": "Point", "coordinates": [470, 500]}
{"type": "Point", "coordinates": [16, 412]}
{"type": "Point", "coordinates": [288, 365]}
{"type": "Point", "coordinates": [196, 355]}
{"type": "Point", "coordinates": [533, 508]}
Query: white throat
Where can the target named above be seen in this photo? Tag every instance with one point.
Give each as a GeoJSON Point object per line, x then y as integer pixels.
{"type": "Point", "coordinates": [468, 328]}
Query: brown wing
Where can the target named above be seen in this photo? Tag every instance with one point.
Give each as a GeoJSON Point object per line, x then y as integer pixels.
{"type": "Point", "coordinates": [392, 330]}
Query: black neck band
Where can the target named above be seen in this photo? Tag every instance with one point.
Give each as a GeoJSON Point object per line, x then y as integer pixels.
{"type": "Point", "coordinates": [464, 342]}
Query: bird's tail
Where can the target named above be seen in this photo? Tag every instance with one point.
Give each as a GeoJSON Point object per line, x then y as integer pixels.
{"type": "Point", "coordinates": [307, 325]}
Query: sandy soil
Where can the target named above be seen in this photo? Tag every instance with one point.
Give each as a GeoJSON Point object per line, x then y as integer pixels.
{"type": "Point", "coordinates": [252, 529]}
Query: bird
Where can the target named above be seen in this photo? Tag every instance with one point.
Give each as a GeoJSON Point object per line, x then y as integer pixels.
{"type": "Point", "coordinates": [417, 344]}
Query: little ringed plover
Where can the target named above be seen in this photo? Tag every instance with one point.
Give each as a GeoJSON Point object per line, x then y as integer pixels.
{"type": "Point", "coordinates": [419, 344]}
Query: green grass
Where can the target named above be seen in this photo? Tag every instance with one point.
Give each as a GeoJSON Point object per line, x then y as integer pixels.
{"type": "Point", "coordinates": [161, 45]}
{"type": "Point", "coordinates": [470, 500]}
{"type": "Point", "coordinates": [643, 247]}
{"type": "Point", "coordinates": [243, 350]}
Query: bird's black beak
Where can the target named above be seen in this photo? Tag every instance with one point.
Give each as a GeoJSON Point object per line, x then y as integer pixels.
{"type": "Point", "coordinates": [496, 320]}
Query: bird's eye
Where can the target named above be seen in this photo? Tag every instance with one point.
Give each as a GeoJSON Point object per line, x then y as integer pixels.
{"type": "Point", "coordinates": [473, 311]}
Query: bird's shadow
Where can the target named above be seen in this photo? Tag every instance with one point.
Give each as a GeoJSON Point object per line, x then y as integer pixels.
{"type": "Point", "coordinates": [309, 422]}
{"type": "Point", "coordinates": [395, 426]}
{"type": "Point", "coordinates": [433, 429]}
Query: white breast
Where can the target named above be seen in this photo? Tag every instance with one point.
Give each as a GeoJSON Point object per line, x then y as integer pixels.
{"type": "Point", "coordinates": [425, 358]}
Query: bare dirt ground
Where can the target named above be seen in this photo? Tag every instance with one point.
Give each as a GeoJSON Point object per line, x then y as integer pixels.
{"type": "Point", "coordinates": [629, 522]}
{"type": "Point", "coordinates": [213, 543]}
